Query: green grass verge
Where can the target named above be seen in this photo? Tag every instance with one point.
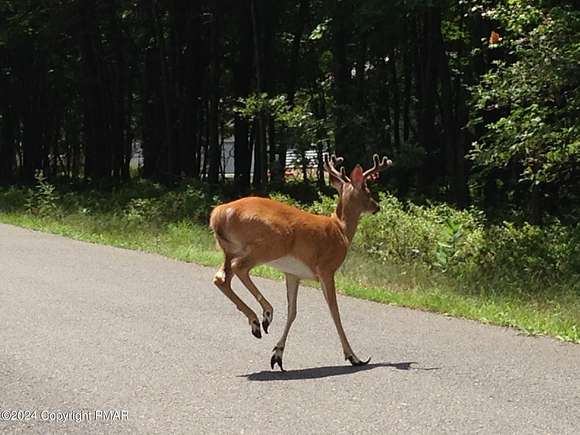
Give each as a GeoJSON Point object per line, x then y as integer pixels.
{"type": "Point", "coordinates": [557, 316]}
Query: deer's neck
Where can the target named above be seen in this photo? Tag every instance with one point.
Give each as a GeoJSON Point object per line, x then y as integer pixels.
{"type": "Point", "coordinates": [347, 218]}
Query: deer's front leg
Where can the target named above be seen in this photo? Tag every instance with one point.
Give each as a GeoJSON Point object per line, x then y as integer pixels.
{"type": "Point", "coordinates": [292, 283]}
{"type": "Point", "coordinates": [329, 291]}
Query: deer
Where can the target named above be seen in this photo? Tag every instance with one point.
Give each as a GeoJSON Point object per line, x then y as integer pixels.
{"type": "Point", "coordinates": [254, 230]}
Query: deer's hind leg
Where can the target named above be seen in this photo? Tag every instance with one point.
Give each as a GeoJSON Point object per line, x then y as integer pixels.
{"type": "Point", "coordinates": [223, 281]}
{"type": "Point", "coordinates": [241, 267]}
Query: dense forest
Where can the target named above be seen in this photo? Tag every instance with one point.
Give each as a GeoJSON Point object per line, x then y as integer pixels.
{"type": "Point", "coordinates": [476, 101]}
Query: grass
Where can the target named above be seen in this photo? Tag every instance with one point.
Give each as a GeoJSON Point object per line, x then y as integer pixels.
{"type": "Point", "coordinates": [557, 315]}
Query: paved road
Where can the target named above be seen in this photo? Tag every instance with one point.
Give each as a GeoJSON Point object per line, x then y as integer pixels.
{"type": "Point", "coordinates": [86, 328]}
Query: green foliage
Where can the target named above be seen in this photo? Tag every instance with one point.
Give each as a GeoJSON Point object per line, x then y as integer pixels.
{"type": "Point", "coordinates": [529, 253]}
{"type": "Point", "coordinates": [529, 105]}
{"type": "Point", "coordinates": [305, 128]}
{"type": "Point", "coordinates": [326, 205]}
{"type": "Point", "coordinates": [301, 127]}
{"type": "Point", "coordinates": [191, 203]}
{"type": "Point", "coordinates": [12, 199]}
{"type": "Point", "coordinates": [136, 203]}
{"type": "Point", "coordinates": [437, 236]}
{"type": "Point", "coordinates": [257, 104]}
{"type": "Point", "coordinates": [319, 31]}
{"type": "Point", "coordinates": [506, 257]}
{"type": "Point", "coordinates": [142, 210]}
{"type": "Point", "coordinates": [287, 199]}
{"type": "Point", "coordinates": [358, 77]}
{"type": "Point", "coordinates": [42, 199]}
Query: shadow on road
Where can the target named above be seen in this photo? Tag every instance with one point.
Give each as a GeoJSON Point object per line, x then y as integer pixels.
{"type": "Point", "coordinates": [325, 372]}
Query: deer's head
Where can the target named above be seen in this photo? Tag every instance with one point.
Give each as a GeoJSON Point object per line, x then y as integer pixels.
{"type": "Point", "coordinates": [353, 190]}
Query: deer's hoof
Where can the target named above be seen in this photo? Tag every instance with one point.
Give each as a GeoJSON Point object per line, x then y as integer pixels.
{"type": "Point", "coordinates": [256, 329]}
{"type": "Point", "coordinates": [265, 325]}
{"type": "Point", "coordinates": [267, 320]}
{"type": "Point", "coordinates": [357, 362]}
{"type": "Point", "coordinates": [276, 359]}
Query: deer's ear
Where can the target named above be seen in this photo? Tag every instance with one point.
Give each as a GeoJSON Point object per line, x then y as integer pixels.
{"type": "Point", "coordinates": [356, 177]}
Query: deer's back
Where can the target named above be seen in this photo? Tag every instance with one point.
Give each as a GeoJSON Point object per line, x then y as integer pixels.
{"type": "Point", "coordinates": [275, 230]}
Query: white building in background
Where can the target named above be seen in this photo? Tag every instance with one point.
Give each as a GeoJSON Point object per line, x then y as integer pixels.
{"type": "Point", "coordinates": [292, 158]}
{"type": "Point", "coordinates": [227, 164]}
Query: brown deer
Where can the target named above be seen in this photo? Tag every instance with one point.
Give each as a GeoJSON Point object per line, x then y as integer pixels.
{"type": "Point", "coordinates": [253, 231]}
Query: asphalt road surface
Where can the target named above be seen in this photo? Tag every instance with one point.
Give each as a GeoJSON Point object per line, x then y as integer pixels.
{"type": "Point", "coordinates": [117, 341]}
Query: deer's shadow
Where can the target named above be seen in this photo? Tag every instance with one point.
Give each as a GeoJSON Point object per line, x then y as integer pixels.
{"type": "Point", "coordinates": [325, 372]}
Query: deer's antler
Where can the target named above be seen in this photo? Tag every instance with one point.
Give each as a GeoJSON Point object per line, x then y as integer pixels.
{"type": "Point", "coordinates": [378, 166]}
{"type": "Point", "coordinates": [330, 162]}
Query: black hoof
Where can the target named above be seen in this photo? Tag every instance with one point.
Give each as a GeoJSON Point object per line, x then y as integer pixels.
{"type": "Point", "coordinates": [356, 363]}
{"type": "Point", "coordinates": [276, 360]}
{"type": "Point", "coordinates": [266, 321]}
{"type": "Point", "coordinates": [256, 329]}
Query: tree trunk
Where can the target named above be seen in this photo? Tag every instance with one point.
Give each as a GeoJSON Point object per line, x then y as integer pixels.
{"type": "Point", "coordinates": [260, 144]}
{"type": "Point", "coordinates": [7, 145]}
{"type": "Point", "coordinates": [242, 73]}
{"type": "Point", "coordinates": [303, 11]}
{"type": "Point", "coordinates": [190, 81]}
{"type": "Point", "coordinates": [340, 76]}
{"type": "Point", "coordinates": [214, 114]}
{"type": "Point", "coordinates": [153, 124]}
{"type": "Point", "coordinates": [167, 97]}
{"type": "Point", "coordinates": [426, 79]}
{"type": "Point", "coordinates": [96, 131]}
{"type": "Point", "coordinates": [396, 101]}
{"type": "Point", "coordinates": [407, 68]}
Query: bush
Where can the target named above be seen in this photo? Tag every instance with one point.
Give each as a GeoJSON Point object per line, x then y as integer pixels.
{"type": "Point", "coordinates": [459, 244]}
{"type": "Point", "coordinates": [12, 199]}
{"type": "Point", "coordinates": [192, 203]}
{"type": "Point", "coordinates": [437, 236]}
{"type": "Point", "coordinates": [42, 198]}
{"type": "Point", "coordinates": [143, 210]}
{"type": "Point", "coordinates": [531, 253]}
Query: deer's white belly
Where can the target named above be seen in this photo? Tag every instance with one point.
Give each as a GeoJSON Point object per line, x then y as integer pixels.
{"type": "Point", "coordinates": [293, 266]}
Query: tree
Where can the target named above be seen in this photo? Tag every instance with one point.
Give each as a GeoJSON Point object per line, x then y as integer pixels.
{"type": "Point", "coordinates": [84, 83]}
{"type": "Point", "coordinates": [529, 105]}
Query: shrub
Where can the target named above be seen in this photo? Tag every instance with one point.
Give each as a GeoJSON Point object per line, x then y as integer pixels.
{"type": "Point", "coordinates": [190, 203]}
{"type": "Point", "coordinates": [530, 253]}
{"type": "Point", "coordinates": [287, 199]}
{"type": "Point", "coordinates": [326, 205]}
{"type": "Point", "coordinates": [12, 199]}
{"type": "Point", "coordinates": [458, 243]}
{"type": "Point", "coordinates": [143, 210]}
{"type": "Point", "coordinates": [42, 198]}
{"type": "Point", "coordinates": [437, 236]}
